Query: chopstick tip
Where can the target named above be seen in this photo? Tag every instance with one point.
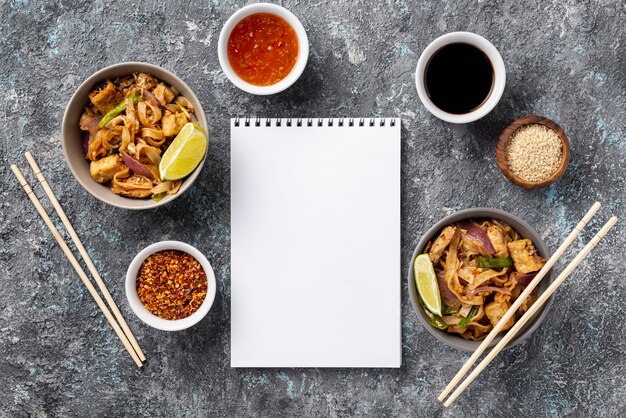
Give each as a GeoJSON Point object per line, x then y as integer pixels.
{"type": "Point", "coordinates": [17, 172]}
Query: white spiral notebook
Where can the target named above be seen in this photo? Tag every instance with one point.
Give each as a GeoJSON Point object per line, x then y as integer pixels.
{"type": "Point", "coordinates": [315, 243]}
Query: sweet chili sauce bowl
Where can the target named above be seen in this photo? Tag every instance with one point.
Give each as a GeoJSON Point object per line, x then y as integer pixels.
{"type": "Point", "coordinates": [148, 317]}
{"type": "Point", "coordinates": [522, 228]}
{"type": "Point", "coordinates": [301, 60]}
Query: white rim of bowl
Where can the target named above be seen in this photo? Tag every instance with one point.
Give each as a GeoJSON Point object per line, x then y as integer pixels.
{"type": "Point", "coordinates": [148, 317]}
{"type": "Point", "coordinates": [147, 203]}
{"type": "Point", "coordinates": [499, 71]}
{"type": "Point", "coordinates": [303, 48]}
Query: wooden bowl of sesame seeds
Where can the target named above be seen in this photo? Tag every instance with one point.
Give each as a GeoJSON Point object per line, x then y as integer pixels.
{"type": "Point", "coordinates": [533, 152]}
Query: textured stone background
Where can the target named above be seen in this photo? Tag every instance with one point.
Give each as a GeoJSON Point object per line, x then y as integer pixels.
{"type": "Point", "coordinates": [565, 60]}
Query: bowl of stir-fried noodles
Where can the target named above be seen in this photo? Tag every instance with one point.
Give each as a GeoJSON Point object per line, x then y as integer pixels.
{"type": "Point", "coordinates": [483, 260]}
{"type": "Point", "coordinates": [118, 125]}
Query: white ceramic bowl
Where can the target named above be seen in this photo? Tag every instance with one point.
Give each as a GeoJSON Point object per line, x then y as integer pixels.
{"type": "Point", "coordinates": [498, 68]}
{"type": "Point", "coordinates": [303, 48]}
{"type": "Point", "coordinates": [148, 317]}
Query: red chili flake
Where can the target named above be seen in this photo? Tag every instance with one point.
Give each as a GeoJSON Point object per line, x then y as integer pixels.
{"type": "Point", "coordinates": [171, 284]}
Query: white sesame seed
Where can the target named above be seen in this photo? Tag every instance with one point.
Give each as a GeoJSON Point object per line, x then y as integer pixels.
{"type": "Point", "coordinates": [534, 152]}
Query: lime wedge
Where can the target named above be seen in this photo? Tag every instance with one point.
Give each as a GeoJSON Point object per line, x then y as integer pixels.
{"type": "Point", "coordinates": [426, 283]}
{"type": "Point", "coordinates": [184, 154]}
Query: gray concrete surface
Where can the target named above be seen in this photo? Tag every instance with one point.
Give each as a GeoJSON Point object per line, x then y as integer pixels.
{"type": "Point", "coordinates": [565, 60]}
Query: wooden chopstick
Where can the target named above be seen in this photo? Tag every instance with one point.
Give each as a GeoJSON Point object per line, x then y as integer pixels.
{"type": "Point", "coordinates": [75, 264]}
{"type": "Point", "coordinates": [533, 309]}
{"type": "Point", "coordinates": [498, 327]}
{"type": "Point", "coordinates": [81, 249]}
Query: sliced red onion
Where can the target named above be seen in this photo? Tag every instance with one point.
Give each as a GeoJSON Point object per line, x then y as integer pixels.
{"type": "Point", "coordinates": [448, 297]}
{"type": "Point", "coordinates": [85, 139]}
{"type": "Point", "coordinates": [89, 122]}
{"type": "Point", "coordinates": [525, 279]}
{"type": "Point", "coordinates": [476, 235]}
{"type": "Point", "coordinates": [502, 290]}
{"type": "Point", "coordinates": [151, 98]}
{"type": "Point", "coordinates": [136, 166]}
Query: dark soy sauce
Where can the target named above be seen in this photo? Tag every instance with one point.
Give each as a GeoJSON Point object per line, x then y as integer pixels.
{"type": "Point", "coordinates": [459, 78]}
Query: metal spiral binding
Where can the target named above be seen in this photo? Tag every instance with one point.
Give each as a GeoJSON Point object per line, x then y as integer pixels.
{"type": "Point", "coordinates": [248, 121]}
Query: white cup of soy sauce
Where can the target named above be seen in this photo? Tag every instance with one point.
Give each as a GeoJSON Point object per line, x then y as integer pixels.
{"type": "Point", "coordinates": [460, 77]}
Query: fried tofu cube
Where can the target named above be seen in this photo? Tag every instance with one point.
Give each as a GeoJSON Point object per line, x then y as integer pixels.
{"type": "Point", "coordinates": [146, 81]}
{"type": "Point", "coordinates": [528, 302]}
{"type": "Point", "coordinates": [441, 243]}
{"type": "Point", "coordinates": [496, 237]}
{"type": "Point", "coordinates": [104, 169]}
{"type": "Point", "coordinates": [495, 310]}
{"type": "Point", "coordinates": [164, 94]}
{"type": "Point", "coordinates": [525, 256]}
{"type": "Point", "coordinates": [173, 123]}
{"type": "Point", "coordinates": [106, 98]}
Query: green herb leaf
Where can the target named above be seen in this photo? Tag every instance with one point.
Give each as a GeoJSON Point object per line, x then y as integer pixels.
{"type": "Point", "coordinates": [117, 110]}
{"type": "Point", "coordinates": [157, 197]}
{"type": "Point", "coordinates": [449, 310]}
{"type": "Point", "coordinates": [495, 262]}
{"type": "Point", "coordinates": [438, 323]}
{"type": "Point", "coordinates": [466, 320]}
{"type": "Point", "coordinates": [435, 320]}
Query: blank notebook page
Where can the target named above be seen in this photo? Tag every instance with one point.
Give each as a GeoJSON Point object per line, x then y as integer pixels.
{"type": "Point", "coordinates": [315, 223]}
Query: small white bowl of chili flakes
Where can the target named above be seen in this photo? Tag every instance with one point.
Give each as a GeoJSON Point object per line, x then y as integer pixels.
{"type": "Point", "coordinates": [170, 285]}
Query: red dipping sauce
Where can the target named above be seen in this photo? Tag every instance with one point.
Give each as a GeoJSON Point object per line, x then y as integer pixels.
{"type": "Point", "coordinates": [262, 49]}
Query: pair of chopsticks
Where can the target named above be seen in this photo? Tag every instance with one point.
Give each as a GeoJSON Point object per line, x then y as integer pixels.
{"type": "Point", "coordinates": [118, 323]}
{"type": "Point", "coordinates": [533, 309]}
